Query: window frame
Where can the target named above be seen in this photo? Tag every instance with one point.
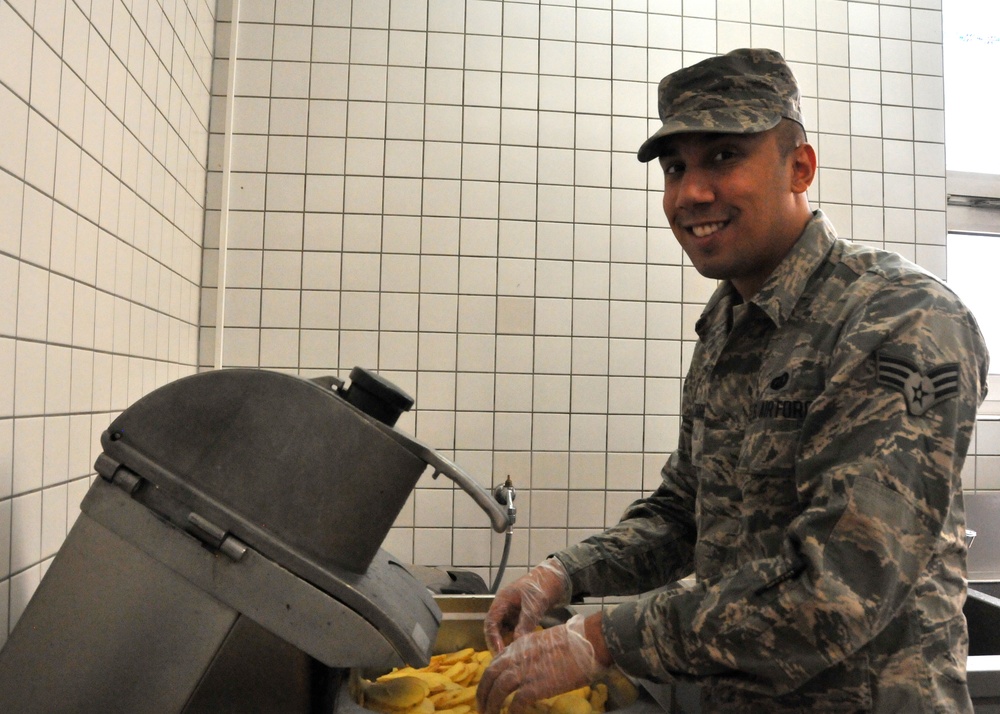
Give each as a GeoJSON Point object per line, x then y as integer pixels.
{"type": "Point", "coordinates": [973, 206]}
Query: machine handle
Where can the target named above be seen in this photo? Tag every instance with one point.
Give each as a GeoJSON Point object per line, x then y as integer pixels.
{"type": "Point", "coordinates": [500, 518]}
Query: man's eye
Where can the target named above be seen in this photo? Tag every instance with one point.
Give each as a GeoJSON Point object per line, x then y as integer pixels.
{"type": "Point", "coordinates": [723, 155]}
{"type": "Point", "coordinates": [673, 168]}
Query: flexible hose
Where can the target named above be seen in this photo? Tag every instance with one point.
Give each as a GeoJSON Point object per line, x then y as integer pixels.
{"type": "Point", "coordinates": [503, 560]}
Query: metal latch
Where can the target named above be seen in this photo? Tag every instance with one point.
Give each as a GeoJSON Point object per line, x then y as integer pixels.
{"type": "Point", "coordinates": [216, 538]}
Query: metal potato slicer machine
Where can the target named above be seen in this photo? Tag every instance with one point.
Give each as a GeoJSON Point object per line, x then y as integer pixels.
{"type": "Point", "coordinates": [229, 556]}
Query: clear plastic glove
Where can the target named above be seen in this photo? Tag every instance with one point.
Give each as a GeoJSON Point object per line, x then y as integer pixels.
{"type": "Point", "coordinates": [519, 607]}
{"type": "Point", "coordinates": [540, 665]}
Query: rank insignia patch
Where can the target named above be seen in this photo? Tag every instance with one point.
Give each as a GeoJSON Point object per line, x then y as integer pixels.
{"type": "Point", "coordinates": [921, 391]}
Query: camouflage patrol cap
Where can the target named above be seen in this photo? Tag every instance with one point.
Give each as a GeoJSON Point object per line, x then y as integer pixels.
{"type": "Point", "coordinates": [742, 92]}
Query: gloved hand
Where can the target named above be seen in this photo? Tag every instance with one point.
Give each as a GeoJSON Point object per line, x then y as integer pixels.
{"type": "Point", "coordinates": [539, 665]}
{"type": "Point", "coordinates": [519, 607]}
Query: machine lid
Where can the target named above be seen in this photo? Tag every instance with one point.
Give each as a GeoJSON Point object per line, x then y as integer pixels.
{"type": "Point", "coordinates": [282, 463]}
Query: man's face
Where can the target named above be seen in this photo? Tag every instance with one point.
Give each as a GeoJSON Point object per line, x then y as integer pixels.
{"type": "Point", "coordinates": [732, 202]}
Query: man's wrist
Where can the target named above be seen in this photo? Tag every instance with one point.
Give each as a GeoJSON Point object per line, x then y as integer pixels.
{"type": "Point", "coordinates": [593, 630]}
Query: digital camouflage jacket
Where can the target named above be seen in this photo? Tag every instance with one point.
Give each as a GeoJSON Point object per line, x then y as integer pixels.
{"type": "Point", "coordinates": [815, 494]}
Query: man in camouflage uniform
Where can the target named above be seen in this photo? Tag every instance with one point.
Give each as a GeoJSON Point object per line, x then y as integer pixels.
{"type": "Point", "coordinates": [815, 492]}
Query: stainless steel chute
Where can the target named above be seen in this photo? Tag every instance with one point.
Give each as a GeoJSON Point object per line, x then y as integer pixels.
{"type": "Point", "coordinates": [231, 552]}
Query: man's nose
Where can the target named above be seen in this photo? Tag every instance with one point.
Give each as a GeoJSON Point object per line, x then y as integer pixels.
{"type": "Point", "coordinates": [694, 187]}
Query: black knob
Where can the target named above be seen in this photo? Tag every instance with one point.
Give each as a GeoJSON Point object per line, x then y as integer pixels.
{"type": "Point", "coordinates": [377, 396]}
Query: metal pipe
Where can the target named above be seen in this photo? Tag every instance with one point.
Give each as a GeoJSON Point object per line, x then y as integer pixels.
{"type": "Point", "coordinates": [505, 495]}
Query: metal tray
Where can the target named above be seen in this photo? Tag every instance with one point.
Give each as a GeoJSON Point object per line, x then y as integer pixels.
{"type": "Point", "coordinates": [462, 619]}
{"type": "Point", "coordinates": [461, 626]}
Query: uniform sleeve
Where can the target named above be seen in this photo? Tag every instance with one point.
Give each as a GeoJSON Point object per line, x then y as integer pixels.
{"type": "Point", "coordinates": [877, 472]}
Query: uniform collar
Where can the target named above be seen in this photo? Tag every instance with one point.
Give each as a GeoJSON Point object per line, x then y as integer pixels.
{"type": "Point", "coordinates": [781, 291]}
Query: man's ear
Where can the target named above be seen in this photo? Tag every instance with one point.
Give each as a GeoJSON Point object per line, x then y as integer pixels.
{"type": "Point", "coordinates": [803, 167]}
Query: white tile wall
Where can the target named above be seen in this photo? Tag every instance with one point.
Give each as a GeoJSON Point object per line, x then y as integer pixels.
{"type": "Point", "coordinates": [102, 190]}
{"type": "Point", "coordinates": [471, 221]}
{"type": "Point", "coordinates": [443, 191]}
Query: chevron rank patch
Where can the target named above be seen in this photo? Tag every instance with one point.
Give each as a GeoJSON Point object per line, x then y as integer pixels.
{"type": "Point", "coordinates": [920, 390]}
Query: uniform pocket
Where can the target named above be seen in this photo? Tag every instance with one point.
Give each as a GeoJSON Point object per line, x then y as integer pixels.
{"type": "Point", "coordinates": [766, 470]}
{"type": "Point", "coordinates": [770, 447]}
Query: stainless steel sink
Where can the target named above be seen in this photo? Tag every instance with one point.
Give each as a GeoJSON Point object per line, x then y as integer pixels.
{"type": "Point", "coordinates": [982, 610]}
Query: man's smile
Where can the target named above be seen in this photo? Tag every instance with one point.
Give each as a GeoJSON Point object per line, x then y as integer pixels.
{"type": "Point", "coordinates": [703, 230]}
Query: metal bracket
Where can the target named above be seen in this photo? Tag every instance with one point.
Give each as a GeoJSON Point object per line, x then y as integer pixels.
{"type": "Point", "coordinates": [209, 532]}
{"type": "Point", "coordinates": [216, 538]}
{"type": "Point", "coordinates": [201, 528]}
{"type": "Point", "coordinates": [121, 476]}
{"type": "Point", "coordinates": [330, 382]}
